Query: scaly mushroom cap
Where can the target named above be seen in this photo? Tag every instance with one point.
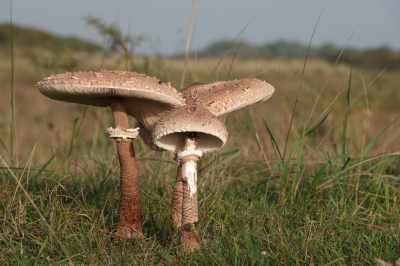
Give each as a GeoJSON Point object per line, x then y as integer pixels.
{"type": "Point", "coordinates": [147, 137]}
{"type": "Point", "coordinates": [223, 97]}
{"type": "Point", "coordinates": [145, 98]}
{"type": "Point", "coordinates": [169, 132]}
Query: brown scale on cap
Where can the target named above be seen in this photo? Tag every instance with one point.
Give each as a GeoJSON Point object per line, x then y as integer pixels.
{"type": "Point", "coordinates": [222, 97]}
{"type": "Point", "coordinates": [145, 98]}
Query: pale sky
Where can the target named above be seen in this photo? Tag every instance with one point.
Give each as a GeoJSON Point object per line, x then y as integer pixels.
{"type": "Point", "coordinates": [166, 22]}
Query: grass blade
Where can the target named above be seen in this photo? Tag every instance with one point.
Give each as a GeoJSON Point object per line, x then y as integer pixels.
{"type": "Point", "coordinates": [233, 155]}
{"type": "Point", "coordinates": [298, 91]}
{"type": "Point", "coordinates": [273, 141]}
{"type": "Point", "coordinates": [192, 14]}
{"type": "Point", "coordinates": [296, 143]}
{"type": "Point", "coordinates": [317, 126]}
{"type": "Point", "coordinates": [5, 148]}
{"type": "Point", "coordinates": [374, 140]}
{"type": "Point", "coordinates": [226, 52]}
{"type": "Point", "coordinates": [233, 59]}
{"type": "Point", "coordinates": [44, 166]}
{"type": "Point", "coordinates": [277, 153]}
{"type": "Point", "coordinates": [12, 100]}
{"type": "Point", "coordinates": [346, 115]}
{"type": "Point", "coordinates": [321, 172]}
{"type": "Point", "coordinates": [41, 249]}
{"type": "Point", "coordinates": [36, 208]}
{"type": "Point", "coordinates": [75, 132]}
{"type": "Point", "coordinates": [72, 142]}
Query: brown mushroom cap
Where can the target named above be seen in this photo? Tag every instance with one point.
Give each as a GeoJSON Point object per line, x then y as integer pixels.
{"type": "Point", "coordinates": [169, 132]}
{"type": "Point", "coordinates": [145, 98]}
{"type": "Point", "coordinates": [222, 97]}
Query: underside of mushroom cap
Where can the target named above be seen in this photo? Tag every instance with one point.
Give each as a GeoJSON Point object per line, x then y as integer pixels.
{"type": "Point", "coordinates": [147, 137]}
{"type": "Point", "coordinates": [145, 98]}
{"type": "Point", "coordinates": [169, 132]}
{"type": "Point", "coordinates": [223, 97]}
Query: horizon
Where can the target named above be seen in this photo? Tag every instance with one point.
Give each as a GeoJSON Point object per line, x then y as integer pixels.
{"type": "Point", "coordinates": [217, 41]}
{"type": "Point", "coordinates": [375, 25]}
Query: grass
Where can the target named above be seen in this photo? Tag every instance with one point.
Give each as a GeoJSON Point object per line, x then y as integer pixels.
{"type": "Point", "coordinates": [332, 201]}
{"type": "Point", "coordinates": [243, 211]}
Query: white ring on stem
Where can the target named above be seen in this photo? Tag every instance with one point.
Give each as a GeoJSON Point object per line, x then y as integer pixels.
{"type": "Point", "coordinates": [120, 132]}
{"type": "Point", "coordinates": [188, 153]}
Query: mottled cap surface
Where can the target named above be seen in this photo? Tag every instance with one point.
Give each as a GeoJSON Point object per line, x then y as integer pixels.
{"type": "Point", "coordinates": [147, 137]}
{"type": "Point", "coordinates": [222, 97]}
{"type": "Point", "coordinates": [145, 98]}
{"type": "Point", "coordinates": [169, 132]}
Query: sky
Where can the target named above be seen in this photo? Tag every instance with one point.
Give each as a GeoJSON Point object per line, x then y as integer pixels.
{"type": "Point", "coordinates": [165, 23]}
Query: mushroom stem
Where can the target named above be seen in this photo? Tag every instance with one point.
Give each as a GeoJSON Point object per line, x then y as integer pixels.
{"type": "Point", "coordinates": [177, 197]}
{"type": "Point", "coordinates": [129, 205]}
{"type": "Point", "coordinates": [189, 232]}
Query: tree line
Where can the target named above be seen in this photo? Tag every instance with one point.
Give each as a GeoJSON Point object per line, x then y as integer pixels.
{"type": "Point", "coordinates": [381, 57]}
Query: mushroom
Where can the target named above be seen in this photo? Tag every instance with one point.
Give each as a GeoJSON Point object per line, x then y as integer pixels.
{"type": "Point", "coordinates": [189, 130]}
{"type": "Point", "coordinates": [145, 98]}
{"type": "Point", "coordinates": [219, 98]}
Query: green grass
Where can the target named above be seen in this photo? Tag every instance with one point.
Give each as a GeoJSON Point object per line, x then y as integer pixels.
{"type": "Point", "coordinates": [244, 210]}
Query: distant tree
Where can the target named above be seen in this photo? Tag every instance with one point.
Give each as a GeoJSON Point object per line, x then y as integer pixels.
{"type": "Point", "coordinates": [382, 57]}
{"type": "Point", "coordinates": [118, 41]}
{"type": "Point", "coordinates": [28, 39]}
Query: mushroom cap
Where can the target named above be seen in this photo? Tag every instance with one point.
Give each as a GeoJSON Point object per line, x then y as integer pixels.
{"type": "Point", "coordinates": [223, 97]}
{"type": "Point", "coordinates": [147, 137]}
{"type": "Point", "coordinates": [169, 132]}
{"type": "Point", "coordinates": [145, 98]}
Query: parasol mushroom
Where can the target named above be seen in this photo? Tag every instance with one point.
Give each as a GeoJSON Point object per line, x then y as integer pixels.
{"type": "Point", "coordinates": [219, 98]}
{"type": "Point", "coordinates": [189, 130]}
{"type": "Point", "coordinates": [145, 98]}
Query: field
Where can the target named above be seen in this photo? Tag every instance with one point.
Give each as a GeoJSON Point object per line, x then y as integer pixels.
{"type": "Point", "coordinates": [326, 195]}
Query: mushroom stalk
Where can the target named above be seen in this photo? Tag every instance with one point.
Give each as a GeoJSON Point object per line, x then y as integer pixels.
{"type": "Point", "coordinates": [129, 205]}
{"type": "Point", "coordinates": [177, 197]}
{"type": "Point", "coordinates": [189, 157]}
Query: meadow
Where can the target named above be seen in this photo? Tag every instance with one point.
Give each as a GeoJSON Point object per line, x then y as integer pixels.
{"type": "Point", "coordinates": [309, 177]}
